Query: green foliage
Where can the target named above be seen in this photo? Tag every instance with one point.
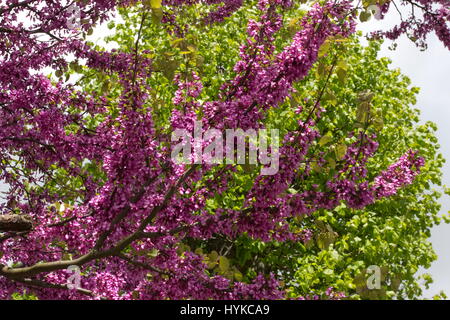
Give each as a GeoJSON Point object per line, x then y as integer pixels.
{"type": "Point", "coordinates": [24, 296]}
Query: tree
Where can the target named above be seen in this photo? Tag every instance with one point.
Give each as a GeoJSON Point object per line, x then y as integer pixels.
{"type": "Point", "coordinates": [90, 164]}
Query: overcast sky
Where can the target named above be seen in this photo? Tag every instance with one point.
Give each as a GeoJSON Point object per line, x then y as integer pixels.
{"type": "Point", "coordinates": [429, 70]}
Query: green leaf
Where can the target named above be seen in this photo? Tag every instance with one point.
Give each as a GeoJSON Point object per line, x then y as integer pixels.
{"type": "Point", "coordinates": [325, 139]}
{"type": "Point", "coordinates": [365, 16]}
{"type": "Point", "coordinates": [213, 256]}
{"type": "Point", "coordinates": [341, 151]}
{"type": "Point", "coordinates": [237, 275]}
{"type": "Point", "coordinates": [155, 4]}
{"type": "Point", "coordinates": [342, 74]}
{"type": "Point", "coordinates": [224, 264]}
{"type": "Point", "coordinates": [324, 49]}
{"type": "Point", "coordinates": [363, 112]}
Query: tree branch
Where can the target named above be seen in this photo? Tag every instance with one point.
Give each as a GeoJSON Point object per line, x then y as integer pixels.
{"type": "Point", "coordinates": [15, 223]}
